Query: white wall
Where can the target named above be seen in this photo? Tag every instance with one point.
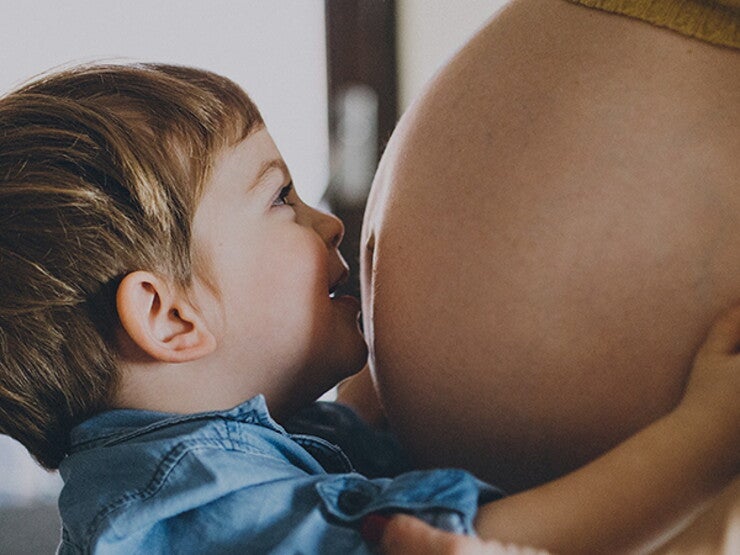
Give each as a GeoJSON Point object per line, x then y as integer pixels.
{"type": "Point", "coordinates": [429, 32]}
{"type": "Point", "coordinates": [275, 49]}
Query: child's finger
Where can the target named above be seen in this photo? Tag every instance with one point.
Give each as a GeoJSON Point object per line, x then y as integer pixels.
{"type": "Point", "coordinates": [724, 335]}
{"type": "Point", "coordinates": [405, 535]}
{"type": "Point", "coordinates": [408, 535]}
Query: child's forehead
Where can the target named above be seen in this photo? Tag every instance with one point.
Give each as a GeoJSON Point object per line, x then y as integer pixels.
{"type": "Point", "coordinates": [250, 160]}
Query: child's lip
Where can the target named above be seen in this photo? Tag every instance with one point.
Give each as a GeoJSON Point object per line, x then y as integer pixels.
{"type": "Point", "coordinates": [341, 280]}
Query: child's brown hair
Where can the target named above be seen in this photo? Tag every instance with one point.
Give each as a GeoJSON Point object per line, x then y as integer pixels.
{"type": "Point", "coordinates": [101, 170]}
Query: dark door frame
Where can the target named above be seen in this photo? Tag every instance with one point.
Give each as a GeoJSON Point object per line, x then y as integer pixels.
{"type": "Point", "coordinates": [361, 50]}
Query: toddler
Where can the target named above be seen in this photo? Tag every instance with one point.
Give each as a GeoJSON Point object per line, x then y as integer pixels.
{"type": "Point", "coordinates": [162, 285]}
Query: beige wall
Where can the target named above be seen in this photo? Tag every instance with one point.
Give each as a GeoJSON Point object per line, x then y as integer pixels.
{"type": "Point", "coordinates": [429, 32]}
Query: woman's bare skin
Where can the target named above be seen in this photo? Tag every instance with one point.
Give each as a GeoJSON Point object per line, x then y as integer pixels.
{"type": "Point", "coordinates": [552, 229]}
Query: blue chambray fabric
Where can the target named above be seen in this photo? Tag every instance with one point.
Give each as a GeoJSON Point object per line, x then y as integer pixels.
{"type": "Point", "coordinates": [237, 482]}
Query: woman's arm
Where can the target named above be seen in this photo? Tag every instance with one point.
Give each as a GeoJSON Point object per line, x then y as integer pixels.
{"type": "Point", "coordinates": [648, 484]}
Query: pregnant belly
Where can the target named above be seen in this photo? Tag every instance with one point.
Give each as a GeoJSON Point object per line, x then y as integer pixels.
{"type": "Point", "coordinates": [539, 268]}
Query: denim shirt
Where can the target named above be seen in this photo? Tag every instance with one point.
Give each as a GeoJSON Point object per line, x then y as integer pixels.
{"type": "Point", "coordinates": [237, 482]}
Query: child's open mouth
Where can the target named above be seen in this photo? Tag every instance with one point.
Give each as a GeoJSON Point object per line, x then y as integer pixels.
{"type": "Point", "coordinates": [341, 280]}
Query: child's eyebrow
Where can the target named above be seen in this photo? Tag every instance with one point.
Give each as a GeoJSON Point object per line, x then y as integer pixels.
{"type": "Point", "coordinates": [268, 165]}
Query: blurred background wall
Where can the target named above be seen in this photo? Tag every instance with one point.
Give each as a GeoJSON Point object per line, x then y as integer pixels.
{"type": "Point", "coordinates": [275, 50]}
{"type": "Point", "coordinates": [429, 32]}
{"type": "Point", "coordinates": [331, 79]}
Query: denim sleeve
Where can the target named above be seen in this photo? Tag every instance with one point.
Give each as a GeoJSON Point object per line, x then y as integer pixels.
{"type": "Point", "coordinates": [447, 499]}
{"type": "Point", "coordinates": [373, 453]}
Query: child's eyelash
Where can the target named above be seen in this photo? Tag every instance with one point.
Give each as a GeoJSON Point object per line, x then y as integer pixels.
{"type": "Point", "coordinates": [283, 195]}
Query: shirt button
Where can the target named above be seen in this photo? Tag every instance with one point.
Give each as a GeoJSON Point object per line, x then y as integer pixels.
{"type": "Point", "coordinates": [353, 501]}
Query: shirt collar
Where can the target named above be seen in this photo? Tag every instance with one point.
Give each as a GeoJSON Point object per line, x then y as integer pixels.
{"type": "Point", "coordinates": [118, 423]}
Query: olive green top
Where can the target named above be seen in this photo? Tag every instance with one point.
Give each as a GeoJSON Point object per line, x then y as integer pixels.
{"type": "Point", "coordinates": [714, 21]}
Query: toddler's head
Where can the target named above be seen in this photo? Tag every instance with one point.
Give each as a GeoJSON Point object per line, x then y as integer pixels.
{"type": "Point", "coordinates": [119, 268]}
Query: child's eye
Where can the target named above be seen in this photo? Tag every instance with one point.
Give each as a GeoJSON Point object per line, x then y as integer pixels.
{"type": "Point", "coordinates": [281, 199]}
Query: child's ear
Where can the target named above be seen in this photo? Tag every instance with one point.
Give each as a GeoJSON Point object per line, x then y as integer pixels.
{"type": "Point", "coordinates": [160, 320]}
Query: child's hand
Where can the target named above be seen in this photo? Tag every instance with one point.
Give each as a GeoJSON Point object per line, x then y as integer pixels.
{"type": "Point", "coordinates": [405, 535]}
{"type": "Point", "coordinates": [714, 382]}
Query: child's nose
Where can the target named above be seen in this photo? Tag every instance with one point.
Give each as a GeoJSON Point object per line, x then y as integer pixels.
{"type": "Point", "coordinates": [330, 228]}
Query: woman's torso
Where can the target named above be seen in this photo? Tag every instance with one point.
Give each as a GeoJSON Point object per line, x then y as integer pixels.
{"type": "Point", "coordinates": [553, 226]}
